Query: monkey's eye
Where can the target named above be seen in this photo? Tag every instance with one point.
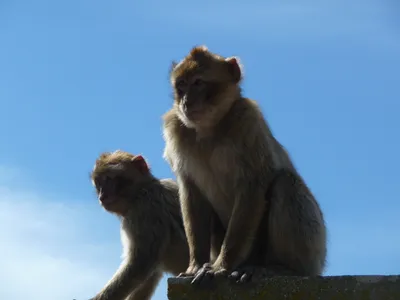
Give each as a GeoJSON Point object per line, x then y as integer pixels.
{"type": "Point", "coordinates": [198, 82]}
{"type": "Point", "coordinates": [102, 181]}
{"type": "Point", "coordinates": [180, 86]}
{"type": "Point", "coordinates": [121, 182]}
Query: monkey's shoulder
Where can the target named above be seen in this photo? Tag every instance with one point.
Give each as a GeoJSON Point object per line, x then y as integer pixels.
{"type": "Point", "coordinates": [169, 183]}
{"type": "Point", "coordinates": [169, 189]}
{"type": "Point", "coordinates": [245, 124]}
{"type": "Point", "coordinates": [246, 111]}
{"type": "Point", "coordinates": [157, 207]}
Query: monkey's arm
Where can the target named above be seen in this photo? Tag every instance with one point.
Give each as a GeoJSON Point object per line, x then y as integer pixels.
{"type": "Point", "coordinates": [248, 211]}
{"type": "Point", "coordinates": [142, 261]}
{"type": "Point", "coordinates": [197, 215]}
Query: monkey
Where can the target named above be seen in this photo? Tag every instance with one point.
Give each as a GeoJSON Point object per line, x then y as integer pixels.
{"type": "Point", "coordinates": [152, 232]}
{"type": "Point", "coordinates": [241, 195]}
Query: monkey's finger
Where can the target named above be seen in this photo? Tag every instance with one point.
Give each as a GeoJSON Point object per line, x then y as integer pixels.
{"type": "Point", "coordinates": [221, 273]}
{"type": "Point", "coordinates": [199, 276]}
{"type": "Point", "coordinates": [207, 266]}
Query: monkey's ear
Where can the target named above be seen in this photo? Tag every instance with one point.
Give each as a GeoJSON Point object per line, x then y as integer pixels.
{"type": "Point", "coordinates": [235, 69]}
{"type": "Point", "coordinates": [172, 67]}
{"type": "Point", "coordinates": [141, 164]}
{"type": "Point", "coordinates": [199, 52]}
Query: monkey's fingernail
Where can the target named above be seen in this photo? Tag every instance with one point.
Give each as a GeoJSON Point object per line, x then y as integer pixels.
{"type": "Point", "coordinates": [198, 278]}
{"type": "Point", "coordinates": [245, 278]}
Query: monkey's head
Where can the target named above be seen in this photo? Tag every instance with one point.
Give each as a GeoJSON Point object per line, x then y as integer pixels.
{"type": "Point", "coordinates": [205, 87]}
{"type": "Point", "coordinates": [117, 176]}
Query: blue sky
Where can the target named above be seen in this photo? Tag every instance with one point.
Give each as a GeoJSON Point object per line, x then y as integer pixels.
{"type": "Point", "coordinates": [80, 77]}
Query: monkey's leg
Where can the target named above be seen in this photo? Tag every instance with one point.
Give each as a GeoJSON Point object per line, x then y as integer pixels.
{"type": "Point", "coordinates": [242, 230]}
{"type": "Point", "coordinates": [276, 249]}
{"type": "Point", "coordinates": [254, 267]}
{"type": "Point", "coordinates": [146, 289]}
{"type": "Point", "coordinates": [217, 239]}
{"type": "Point", "coordinates": [197, 216]}
{"type": "Point", "coordinates": [296, 230]}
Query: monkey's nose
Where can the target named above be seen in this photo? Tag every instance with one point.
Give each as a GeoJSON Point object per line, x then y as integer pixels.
{"type": "Point", "coordinates": [104, 198]}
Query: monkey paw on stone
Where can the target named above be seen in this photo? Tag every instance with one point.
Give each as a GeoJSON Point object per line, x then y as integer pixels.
{"type": "Point", "coordinates": [207, 272]}
{"type": "Point", "coordinates": [250, 273]}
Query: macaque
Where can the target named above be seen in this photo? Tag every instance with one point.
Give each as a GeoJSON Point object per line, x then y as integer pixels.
{"type": "Point", "coordinates": [242, 198]}
{"type": "Point", "coordinates": [152, 229]}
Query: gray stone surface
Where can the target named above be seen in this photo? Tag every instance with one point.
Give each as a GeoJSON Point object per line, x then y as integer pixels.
{"type": "Point", "coordinates": [371, 287]}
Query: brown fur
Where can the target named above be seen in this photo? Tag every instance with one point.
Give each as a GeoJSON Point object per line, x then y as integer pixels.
{"type": "Point", "coordinates": [152, 230]}
{"type": "Point", "coordinates": [234, 174]}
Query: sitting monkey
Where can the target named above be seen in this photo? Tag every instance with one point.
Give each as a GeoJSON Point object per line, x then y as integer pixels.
{"type": "Point", "coordinates": [241, 195]}
{"type": "Point", "coordinates": [152, 229]}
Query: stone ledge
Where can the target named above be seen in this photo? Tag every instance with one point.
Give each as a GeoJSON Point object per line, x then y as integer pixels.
{"type": "Point", "coordinates": [371, 287]}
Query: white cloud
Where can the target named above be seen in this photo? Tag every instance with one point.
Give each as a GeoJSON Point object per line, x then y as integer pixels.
{"type": "Point", "coordinates": [8, 174]}
{"type": "Point", "coordinates": [46, 249]}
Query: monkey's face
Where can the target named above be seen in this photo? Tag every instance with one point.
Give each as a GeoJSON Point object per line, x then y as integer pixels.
{"type": "Point", "coordinates": [113, 190]}
{"type": "Point", "coordinates": [205, 86]}
{"type": "Point", "coordinates": [116, 178]}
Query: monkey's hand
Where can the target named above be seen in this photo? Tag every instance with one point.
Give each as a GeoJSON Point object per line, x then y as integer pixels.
{"type": "Point", "coordinates": [253, 273]}
{"type": "Point", "coordinates": [250, 273]}
{"type": "Point", "coordinates": [209, 271]}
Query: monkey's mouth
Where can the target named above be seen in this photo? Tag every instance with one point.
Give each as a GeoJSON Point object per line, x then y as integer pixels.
{"type": "Point", "coordinates": [192, 113]}
{"type": "Point", "coordinates": [107, 201]}
{"type": "Point", "coordinates": [195, 114]}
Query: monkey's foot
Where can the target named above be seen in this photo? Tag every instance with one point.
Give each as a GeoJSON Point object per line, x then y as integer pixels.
{"type": "Point", "coordinates": [206, 273]}
{"type": "Point", "coordinates": [250, 273]}
{"type": "Point", "coordinates": [190, 271]}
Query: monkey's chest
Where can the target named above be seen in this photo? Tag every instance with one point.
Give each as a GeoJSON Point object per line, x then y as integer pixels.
{"type": "Point", "coordinates": [215, 176]}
